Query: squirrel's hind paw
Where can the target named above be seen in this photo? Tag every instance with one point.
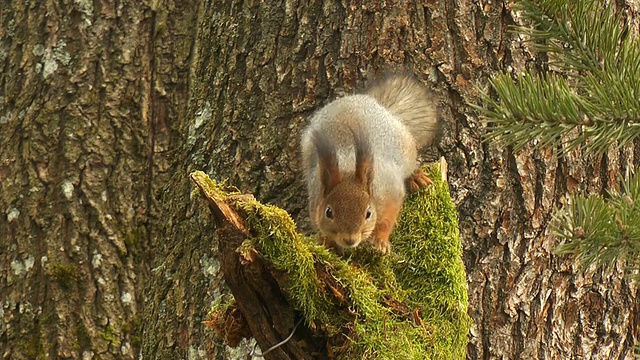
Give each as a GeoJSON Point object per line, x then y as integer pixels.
{"type": "Point", "coordinates": [418, 180]}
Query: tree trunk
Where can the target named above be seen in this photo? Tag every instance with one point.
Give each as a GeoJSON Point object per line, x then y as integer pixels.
{"type": "Point", "coordinates": [86, 92]}
{"type": "Point", "coordinates": [106, 108]}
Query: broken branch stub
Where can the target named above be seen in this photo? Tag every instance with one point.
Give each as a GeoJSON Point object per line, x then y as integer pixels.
{"type": "Point", "coordinates": [254, 284]}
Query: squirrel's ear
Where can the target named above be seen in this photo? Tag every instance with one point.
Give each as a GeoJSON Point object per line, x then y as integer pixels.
{"type": "Point", "coordinates": [364, 160]}
{"type": "Point", "coordinates": [327, 161]}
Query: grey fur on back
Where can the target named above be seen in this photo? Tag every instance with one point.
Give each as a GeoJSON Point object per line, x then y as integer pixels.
{"type": "Point", "coordinates": [412, 102]}
{"type": "Point", "coordinates": [392, 145]}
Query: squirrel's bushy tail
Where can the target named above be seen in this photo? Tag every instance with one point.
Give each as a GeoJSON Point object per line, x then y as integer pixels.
{"type": "Point", "coordinates": [412, 102]}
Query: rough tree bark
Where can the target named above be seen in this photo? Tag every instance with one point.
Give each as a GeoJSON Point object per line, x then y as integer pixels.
{"type": "Point", "coordinates": [85, 92]}
{"type": "Point", "coordinates": [106, 108]}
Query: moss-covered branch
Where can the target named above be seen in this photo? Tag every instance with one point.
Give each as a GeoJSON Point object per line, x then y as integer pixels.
{"type": "Point", "coordinates": [408, 305]}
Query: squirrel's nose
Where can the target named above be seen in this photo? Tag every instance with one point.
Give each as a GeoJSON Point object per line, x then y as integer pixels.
{"type": "Point", "coordinates": [350, 241]}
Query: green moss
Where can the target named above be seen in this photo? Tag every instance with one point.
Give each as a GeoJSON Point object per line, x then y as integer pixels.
{"type": "Point", "coordinates": [212, 188]}
{"type": "Point", "coordinates": [65, 274]}
{"type": "Point", "coordinates": [408, 305]}
{"type": "Point", "coordinates": [222, 304]}
{"type": "Point", "coordinates": [277, 239]}
{"type": "Point", "coordinates": [111, 336]}
{"type": "Point", "coordinates": [431, 269]}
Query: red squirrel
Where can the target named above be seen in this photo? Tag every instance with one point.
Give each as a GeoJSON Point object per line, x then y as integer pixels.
{"type": "Point", "coordinates": [359, 156]}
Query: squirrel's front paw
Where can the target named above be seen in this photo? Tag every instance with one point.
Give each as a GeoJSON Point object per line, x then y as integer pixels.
{"type": "Point", "coordinates": [418, 180]}
{"type": "Point", "coordinates": [383, 246]}
{"type": "Point", "coordinates": [331, 245]}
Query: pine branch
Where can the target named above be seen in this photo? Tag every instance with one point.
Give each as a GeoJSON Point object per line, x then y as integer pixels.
{"type": "Point", "coordinates": [594, 104]}
{"type": "Point", "coordinates": [590, 100]}
{"type": "Point", "coordinates": [598, 231]}
{"type": "Point", "coordinates": [534, 107]}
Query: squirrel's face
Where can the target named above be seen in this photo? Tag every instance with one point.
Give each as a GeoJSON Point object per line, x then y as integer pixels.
{"type": "Point", "coordinates": [346, 216]}
{"type": "Point", "coordinates": [344, 213]}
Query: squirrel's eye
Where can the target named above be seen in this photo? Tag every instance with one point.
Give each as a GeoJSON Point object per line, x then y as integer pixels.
{"type": "Point", "coordinates": [329, 213]}
{"type": "Point", "coordinates": [368, 214]}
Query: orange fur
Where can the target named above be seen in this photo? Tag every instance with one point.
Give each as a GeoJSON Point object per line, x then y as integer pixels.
{"type": "Point", "coordinates": [386, 221]}
{"type": "Point", "coordinates": [418, 180]}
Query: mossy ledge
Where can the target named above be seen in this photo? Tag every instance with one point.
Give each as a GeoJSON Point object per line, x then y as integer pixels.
{"type": "Point", "coordinates": [411, 304]}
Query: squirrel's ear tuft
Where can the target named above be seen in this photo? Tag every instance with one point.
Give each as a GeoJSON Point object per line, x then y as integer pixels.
{"type": "Point", "coordinates": [327, 161]}
{"type": "Point", "coordinates": [364, 159]}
